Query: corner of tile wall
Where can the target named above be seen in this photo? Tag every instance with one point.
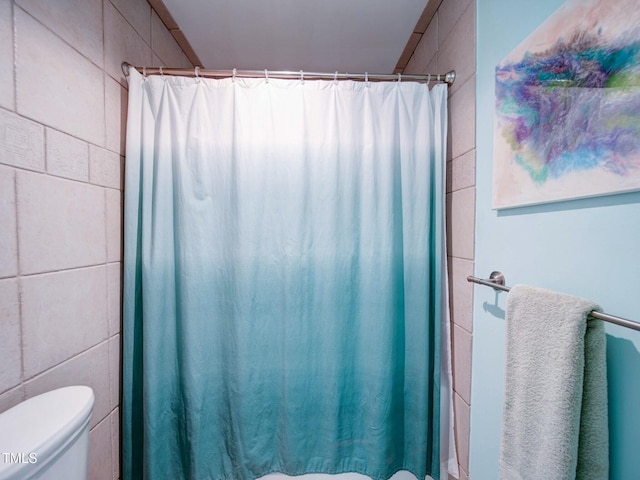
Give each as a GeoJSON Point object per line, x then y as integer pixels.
{"type": "Point", "coordinates": [63, 107]}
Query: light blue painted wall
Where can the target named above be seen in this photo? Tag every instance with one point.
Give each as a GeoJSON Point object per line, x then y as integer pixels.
{"type": "Point", "coordinates": [589, 248]}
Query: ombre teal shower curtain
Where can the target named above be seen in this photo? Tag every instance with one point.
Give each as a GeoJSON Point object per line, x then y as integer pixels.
{"type": "Point", "coordinates": [284, 289]}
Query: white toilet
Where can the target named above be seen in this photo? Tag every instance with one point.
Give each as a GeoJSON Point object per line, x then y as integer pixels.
{"type": "Point", "coordinates": [47, 437]}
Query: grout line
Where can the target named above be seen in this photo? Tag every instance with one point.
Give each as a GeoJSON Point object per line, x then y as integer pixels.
{"type": "Point", "coordinates": [64, 270]}
{"type": "Point", "coordinates": [63, 40]}
{"type": "Point", "coordinates": [14, 31]}
{"type": "Point", "coordinates": [67, 360]}
{"type": "Point", "coordinates": [18, 276]}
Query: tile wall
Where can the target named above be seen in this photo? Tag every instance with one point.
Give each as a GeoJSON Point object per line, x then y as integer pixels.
{"type": "Point", "coordinates": [63, 106]}
{"type": "Point", "coordinates": [447, 42]}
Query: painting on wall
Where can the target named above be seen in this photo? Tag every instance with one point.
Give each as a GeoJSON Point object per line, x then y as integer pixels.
{"type": "Point", "coordinates": [567, 114]}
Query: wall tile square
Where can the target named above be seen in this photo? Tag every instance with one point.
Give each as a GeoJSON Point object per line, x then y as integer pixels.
{"type": "Point", "coordinates": [21, 142]}
{"type": "Point", "coordinates": [138, 14]}
{"type": "Point", "coordinates": [461, 223]}
{"type": "Point", "coordinates": [116, 105]}
{"type": "Point", "coordinates": [463, 171]}
{"type": "Point", "coordinates": [408, 51]}
{"type": "Point", "coordinates": [114, 370]}
{"type": "Point", "coordinates": [90, 368]}
{"type": "Point", "coordinates": [122, 44]}
{"type": "Point", "coordinates": [78, 22]}
{"type": "Point", "coordinates": [425, 51]}
{"type": "Point", "coordinates": [10, 344]}
{"type": "Point", "coordinates": [114, 285]}
{"type": "Point", "coordinates": [8, 232]}
{"type": "Point", "coordinates": [100, 452]}
{"type": "Point", "coordinates": [164, 45]}
{"type": "Point", "coordinates": [462, 362]}
{"type": "Point", "coordinates": [114, 225]}
{"type": "Point", "coordinates": [57, 99]}
{"type": "Point", "coordinates": [115, 442]}
{"type": "Point", "coordinates": [156, 62]}
{"type": "Point", "coordinates": [462, 113]}
{"type": "Point", "coordinates": [7, 90]}
{"type": "Point", "coordinates": [461, 293]}
{"type": "Point", "coordinates": [448, 15]}
{"type": "Point", "coordinates": [61, 223]}
{"type": "Point", "coordinates": [462, 414]}
{"type": "Point", "coordinates": [104, 167]}
{"type": "Point", "coordinates": [63, 314]}
{"type": "Point", "coordinates": [67, 156]}
{"type": "Point", "coordinates": [457, 51]}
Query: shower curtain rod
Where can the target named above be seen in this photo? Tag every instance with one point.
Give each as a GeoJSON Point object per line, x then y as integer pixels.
{"type": "Point", "coordinates": [447, 78]}
{"type": "Point", "coordinates": [496, 281]}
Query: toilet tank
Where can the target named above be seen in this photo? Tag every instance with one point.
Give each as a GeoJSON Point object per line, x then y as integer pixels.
{"type": "Point", "coordinates": [47, 437]}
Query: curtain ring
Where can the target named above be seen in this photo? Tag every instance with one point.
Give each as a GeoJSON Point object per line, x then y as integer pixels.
{"type": "Point", "coordinates": [197, 73]}
{"type": "Point", "coordinates": [366, 79]}
{"type": "Point", "coordinates": [161, 74]}
{"type": "Point", "coordinates": [399, 77]}
{"type": "Point", "coordinates": [233, 77]}
{"type": "Point", "coordinates": [335, 78]}
{"type": "Point", "coordinates": [428, 80]}
{"type": "Point", "coordinates": [266, 76]}
{"type": "Point", "coordinates": [301, 77]}
{"type": "Point", "coordinates": [144, 72]}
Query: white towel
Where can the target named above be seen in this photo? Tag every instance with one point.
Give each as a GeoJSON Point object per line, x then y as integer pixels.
{"type": "Point", "coordinates": [554, 424]}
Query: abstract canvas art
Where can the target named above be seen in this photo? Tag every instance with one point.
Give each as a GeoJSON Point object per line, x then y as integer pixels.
{"type": "Point", "coordinates": [567, 118]}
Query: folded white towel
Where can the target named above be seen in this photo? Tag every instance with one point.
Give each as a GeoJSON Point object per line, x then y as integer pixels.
{"type": "Point", "coordinates": [554, 423]}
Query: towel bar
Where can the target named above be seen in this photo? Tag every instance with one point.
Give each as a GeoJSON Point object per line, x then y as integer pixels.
{"type": "Point", "coordinates": [497, 282]}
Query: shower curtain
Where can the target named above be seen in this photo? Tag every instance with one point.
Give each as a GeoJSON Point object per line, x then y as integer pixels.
{"type": "Point", "coordinates": [284, 278]}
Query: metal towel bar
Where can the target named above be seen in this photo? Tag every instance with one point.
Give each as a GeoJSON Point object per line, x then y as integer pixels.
{"type": "Point", "coordinates": [496, 281]}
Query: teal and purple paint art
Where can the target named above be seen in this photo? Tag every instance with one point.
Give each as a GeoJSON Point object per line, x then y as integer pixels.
{"type": "Point", "coordinates": [575, 106]}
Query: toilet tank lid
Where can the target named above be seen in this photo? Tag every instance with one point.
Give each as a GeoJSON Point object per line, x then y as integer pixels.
{"type": "Point", "coordinates": [42, 420]}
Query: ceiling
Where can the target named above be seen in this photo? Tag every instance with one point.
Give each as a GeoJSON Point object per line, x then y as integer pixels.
{"type": "Point", "coordinates": [312, 35]}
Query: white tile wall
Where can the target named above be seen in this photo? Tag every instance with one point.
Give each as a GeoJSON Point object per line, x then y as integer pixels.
{"type": "Point", "coordinates": [114, 225]}
{"type": "Point", "coordinates": [10, 345]}
{"type": "Point", "coordinates": [104, 168]}
{"type": "Point", "coordinates": [60, 223]}
{"type": "Point", "coordinates": [7, 92]}
{"type": "Point", "coordinates": [115, 441]}
{"type": "Point", "coordinates": [463, 171]}
{"type": "Point", "coordinates": [462, 109]}
{"type": "Point", "coordinates": [90, 368]}
{"type": "Point", "coordinates": [63, 102]}
{"type": "Point", "coordinates": [67, 156]}
{"type": "Point", "coordinates": [462, 362]}
{"type": "Point", "coordinates": [114, 371]}
{"type": "Point", "coordinates": [461, 228]}
{"type": "Point", "coordinates": [8, 236]}
{"type": "Point", "coordinates": [461, 294]}
{"type": "Point", "coordinates": [58, 98]}
{"type": "Point", "coordinates": [115, 115]}
{"type": "Point", "coordinates": [458, 52]}
{"type": "Point", "coordinates": [78, 22]}
{"type": "Point", "coordinates": [425, 52]}
{"type": "Point", "coordinates": [114, 297]}
{"type": "Point", "coordinates": [63, 314]}
{"type": "Point", "coordinates": [164, 45]}
{"type": "Point", "coordinates": [138, 14]}
{"type": "Point", "coordinates": [21, 142]}
{"type": "Point", "coordinates": [462, 419]}
{"type": "Point", "coordinates": [100, 454]}
{"type": "Point", "coordinates": [449, 15]}
{"type": "Point", "coordinates": [122, 43]}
